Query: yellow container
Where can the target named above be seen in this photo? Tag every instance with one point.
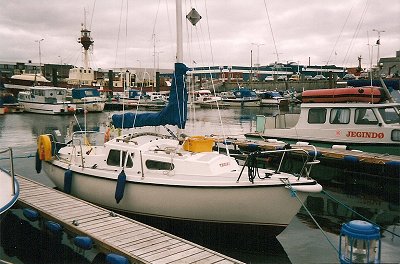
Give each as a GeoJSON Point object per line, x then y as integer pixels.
{"type": "Point", "coordinates": [198, 144]}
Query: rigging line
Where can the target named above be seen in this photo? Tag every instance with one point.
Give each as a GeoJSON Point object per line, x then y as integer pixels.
{"type": "Point", "coordinates": [91, 18]}
{"type": "Point", "coordinates": [126, 34]}
{"type": "Point", "coordinates": [272, 33]}
{"type": "Point", "coordinates": [345, 60]}
{"type": "Point", "coordinates": [212, 80]}
{"type": "Point", "coordinates": [294, 193]}
{"type": "Point", "coordinates": [169, 29]}
{"type": "Point", "coordinates": [155, 20]}
{"type": "Point", "coordinates": [340, 35]}
{"type": "Point", "coordinates": [119, 31]}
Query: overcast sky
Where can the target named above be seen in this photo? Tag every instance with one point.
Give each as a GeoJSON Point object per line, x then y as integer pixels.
{"type": "Point", "coordinates": [326, 31]}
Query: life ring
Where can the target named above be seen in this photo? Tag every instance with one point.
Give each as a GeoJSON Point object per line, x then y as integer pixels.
{"type": "Point", "coordinates": [44, 147]}
{"type": "Point", "coordinates": [107, 135]}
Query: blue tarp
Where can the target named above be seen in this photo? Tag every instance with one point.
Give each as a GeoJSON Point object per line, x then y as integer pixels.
{"type": "Point", "coordinates": [175, 113]}
{"type": "Point", "coordinates": [79, 93]}
{"type": "Point", "coordinates": [391, 84]}
{"type": "Point", "coordinates": [244, 92]}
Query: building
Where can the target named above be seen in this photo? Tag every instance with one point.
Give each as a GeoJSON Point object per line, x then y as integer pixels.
{"type": "Point", "coordinates": [390, 66]}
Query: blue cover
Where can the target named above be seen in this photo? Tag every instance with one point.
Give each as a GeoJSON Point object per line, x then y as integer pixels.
{"type": "Point", "coordinates": [79, 93]}
{"type": "Point", "coordinates": [175, 113]}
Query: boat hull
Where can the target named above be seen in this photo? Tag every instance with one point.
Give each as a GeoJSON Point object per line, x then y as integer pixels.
{"type": "Point", "coordinates": [242, 103]}
{"type": "Point", "coordinates": [49, 109]}
{"type": "Point", "coordinates": [239, 205]}
{"type": "Point", "coordinates": [8, 194]}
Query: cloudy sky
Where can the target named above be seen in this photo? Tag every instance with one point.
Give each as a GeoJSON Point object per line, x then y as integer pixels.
{"type": "Point", "coordinates": [126, 33]}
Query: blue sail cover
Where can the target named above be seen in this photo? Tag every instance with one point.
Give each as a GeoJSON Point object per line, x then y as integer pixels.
{"type": "Point", "coordinates": [175, 113]}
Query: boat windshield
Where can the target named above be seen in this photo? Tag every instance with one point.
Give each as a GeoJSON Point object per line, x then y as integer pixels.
{"type": "Point", "coordinates": [390, 115]}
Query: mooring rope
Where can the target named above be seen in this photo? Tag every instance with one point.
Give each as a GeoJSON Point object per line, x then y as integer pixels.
{"type": "Point", "coordinates": [363, 217]}
{"type": "Point", "coordinates": [294, 194]}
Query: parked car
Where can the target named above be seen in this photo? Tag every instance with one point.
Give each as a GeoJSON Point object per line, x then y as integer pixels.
{"type": "Point", "coordinates": [308, 77]}
{"type": "Point", "coordinates": [269, 78]}
{"type": "Point", "coordinates": [319, 77]}
{"type": "Point", "coordinates": [349, 76]}
{"type": "Point", "coordinates": [282, 78]}
{"type": "Point", "coordinates": [294, 77]}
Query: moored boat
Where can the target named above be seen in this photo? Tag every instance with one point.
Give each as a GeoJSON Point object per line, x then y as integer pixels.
{"type": "Point", "coordinates": [88, 99]}
{"type": "Point", "coordinates": [242, 97]}
{"type": "Point", "coordinates": [9, 188]}
{"type": "Point", "coordinates": [46, 100]}
{"type": "Point", "coordinates": [272, 98]}
{"type": "Point", "coordinates": [162, 176]}
{"type": "Point", "coordinates": [366, 126]}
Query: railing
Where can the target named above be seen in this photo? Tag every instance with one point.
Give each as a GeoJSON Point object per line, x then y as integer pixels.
{"type": "Point", "coordinates": [305, 169]}
{"type": "Point", "coordinates": [11, 166]}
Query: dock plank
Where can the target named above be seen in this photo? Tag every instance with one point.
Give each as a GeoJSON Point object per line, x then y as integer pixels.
{"type": "Point", "coordinates": [112, 233]}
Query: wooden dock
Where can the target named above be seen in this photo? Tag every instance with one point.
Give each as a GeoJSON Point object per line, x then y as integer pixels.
{"type": "Point", "coordinates": [110, 232]}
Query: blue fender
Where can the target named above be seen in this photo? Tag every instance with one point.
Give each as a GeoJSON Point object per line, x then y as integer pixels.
{"type": "Point", "coordinates": [30, 214]}
{"type": "Point", "coordinates": [120, 188]}
{"type": "Point", "coordinates": [83, 242]}
{"type": "Point", "coordinates": [116, 259]}
{"type": "Point", "coordinates": [53, 227]}
{"type": "Point", "coordinates": [38, 163]}
{"type": "Point", "coordinates": [67, 181]}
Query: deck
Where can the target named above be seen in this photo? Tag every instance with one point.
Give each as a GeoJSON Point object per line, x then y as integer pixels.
{"type": "Point", "coordinates": [110, 232]}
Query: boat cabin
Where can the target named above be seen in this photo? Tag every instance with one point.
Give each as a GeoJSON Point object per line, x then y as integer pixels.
{"type": "Point", "coordinates": [44, 94]}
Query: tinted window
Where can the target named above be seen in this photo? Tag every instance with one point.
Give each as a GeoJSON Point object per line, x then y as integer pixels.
{"type": "Point", "coordinates": [340, 116]}
{"type": "Point", "coordinates": [389, 115]}
{"type": "Point", "coordinates": [365, 116]}
{"type": "Point", "coordinates": [159, 165]}
{"type": "Point", "coordinates": [113, 158]}
{"type": "Point", "coordinates": [317, 116]}
{"type": "Point", "coordinates": [129, 162]}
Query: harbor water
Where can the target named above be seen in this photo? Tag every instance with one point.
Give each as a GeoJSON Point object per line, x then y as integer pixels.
{"type": "Point", "coordinates": [300, 242]}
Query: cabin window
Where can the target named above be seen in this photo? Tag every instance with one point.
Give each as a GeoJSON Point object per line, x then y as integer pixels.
{"type": "Point", "coordinates": [365, 116]}
{"type": "Point", "coordinates": [159, 165]}
{"type": "Point", "coordinates": [129, 162]}
{"type": "Point", "coordinates": [114, 158]}
{"type": "Point", "coordinates": [340, 116]}
{"type": "Point", "coordinates": [389, 115]}
{"type": "Point", "coordinates": [317, 116]}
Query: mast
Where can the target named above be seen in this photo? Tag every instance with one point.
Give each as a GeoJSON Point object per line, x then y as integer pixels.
{"type": "Point", "coordinates": [179, 41]}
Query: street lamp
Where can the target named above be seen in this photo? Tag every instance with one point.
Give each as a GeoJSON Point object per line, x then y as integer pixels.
{"type": "Point", "coordinates": [40, 55]}
{"type": "Point", "coordinates": [258, 51]}
{"type": "Point", "coordinates": [378, 42]}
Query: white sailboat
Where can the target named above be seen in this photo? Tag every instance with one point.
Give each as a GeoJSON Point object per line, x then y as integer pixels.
{"type": "Point", "coordinates": [162, 176]}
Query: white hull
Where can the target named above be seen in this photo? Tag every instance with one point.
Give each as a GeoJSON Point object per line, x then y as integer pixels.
{"type": "Point", "coordinates": [49, 109]}
{"type": "Point", "coordinates": [222, 204]}
{"type": "Point", "coordinates": [7, 196]}
{"type": "Point", "coordinates": [242, 103]}
{"type": "Point", "coordinates": [91, 106]}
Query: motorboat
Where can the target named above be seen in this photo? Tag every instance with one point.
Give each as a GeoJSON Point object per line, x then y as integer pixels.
{"type": "Point", "coordinates": [9, 188]}
{"type": "Point", "coordinates": [46, 100]}
{"type": "Point", "coordinates": [242, 97]}
{"type": "Point", "coordinates": [205, 99]}
{"type": "Point", "coordinates": [353, 118]}
{"type": "Point", "coordinates": [165, 176]}
{"type": "Point", "coordinates": [88, 99]}
{"type": "Point", "coordinates": [272, 98]}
